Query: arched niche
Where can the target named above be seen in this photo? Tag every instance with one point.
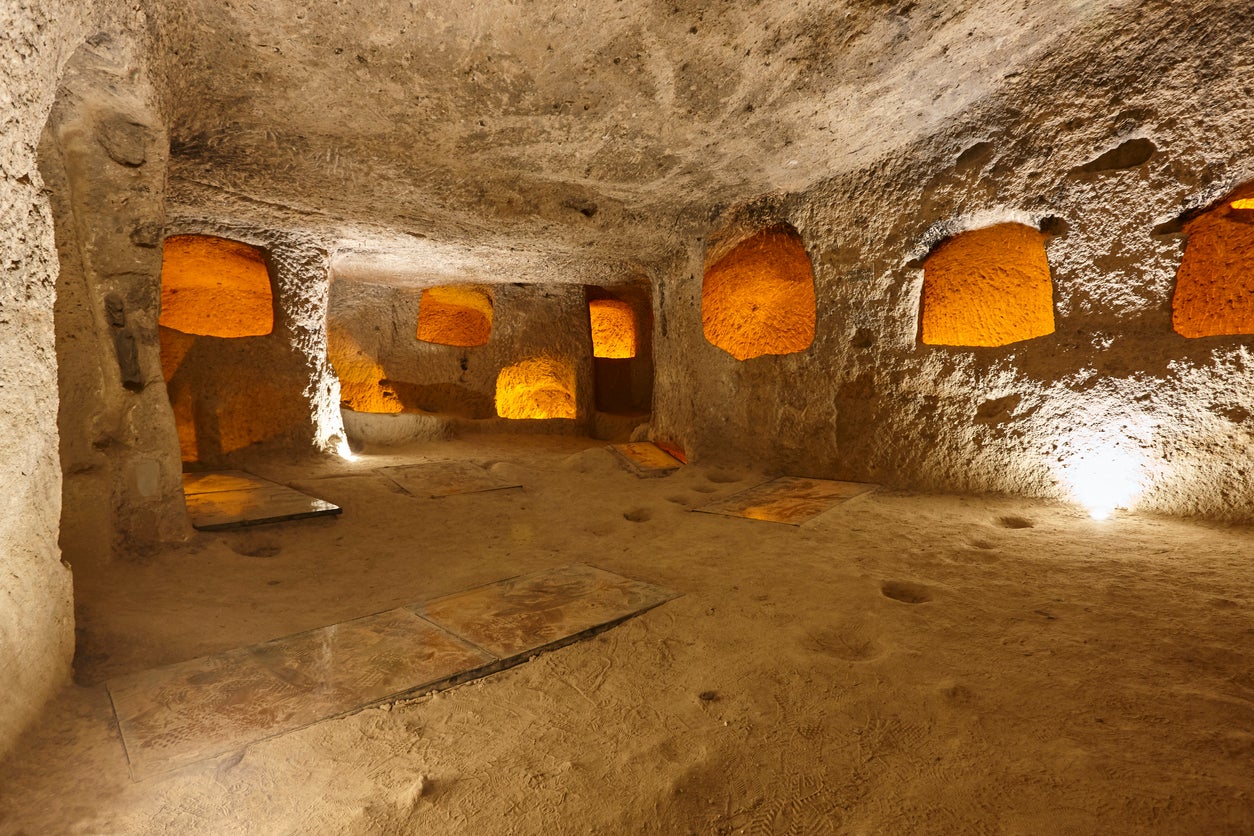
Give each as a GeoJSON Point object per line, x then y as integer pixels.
{"type": "Point", "coordinates": [539, 387]}
{"type": "Point", "coordinates": [455, 315]}
{"type": "Point", "coordinates": [758, 298]}
{"type": "Point", "coordinates": [1214, 293]}
{"type": "Point", "coordinates": [987, 287]}
{"type": "Point", "coordinates": [215, 287]}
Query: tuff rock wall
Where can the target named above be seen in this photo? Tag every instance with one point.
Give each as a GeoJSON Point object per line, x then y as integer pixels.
{"type": "Point", "coordinates": [1104, 145]}
{"type": "Point", "coordinates": [103, 156]}
{"type": "Point", "coordinates": [388, 375]}
{"type": "Point", "coordinates": [36, 615]}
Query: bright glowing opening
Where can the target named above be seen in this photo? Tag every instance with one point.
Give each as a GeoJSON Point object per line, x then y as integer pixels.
{"type": "Point", "coordinates": [1104, 478]}
{"type": "Point", "coordinates": [215, 287]}
{"type": "Point", "coordinates": [459, 316]}
{"type": "Point", "coordinates": [759, 298]}
{"type": "Point", "coordinates": [541, 387]}
{"type": "Point", "coordinates": [988, 287]}
{"type": "Point", "coordinates": [363, 382]}
{"type": "Point", "coordinates": [613, 328]}
{"type": "Point", "coordinates": [1214, 293]}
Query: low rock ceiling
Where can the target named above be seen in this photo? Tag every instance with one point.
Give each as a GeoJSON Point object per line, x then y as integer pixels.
{"type": "Point", "coordinates": [574, 140]}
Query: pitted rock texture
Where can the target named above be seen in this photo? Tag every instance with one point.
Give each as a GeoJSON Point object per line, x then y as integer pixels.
{"type": "Point", "coordinates": [605, 143]}
{"type": "Point", "coordinates": [987, 287]}
{"type": "Point", "coordinates": [759, 297]}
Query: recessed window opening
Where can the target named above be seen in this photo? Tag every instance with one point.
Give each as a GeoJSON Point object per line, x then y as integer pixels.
{"type": "Point", "coordinates": [455, 315]}
{"type": "Point", "coordinates": [613, 328]}
{"type": "Point", "coordinates": [214, 287]}
{"type": "Point", "coordinates": [540, 387]}
{"type": "Point", "coordinates": [988, 287]}
{"type": "Point", "coordinates": [213, 292]}
{"type": "Point", "coordinates": [759, 298]}
{"type": "Point", "coordinates": [1214, 293]}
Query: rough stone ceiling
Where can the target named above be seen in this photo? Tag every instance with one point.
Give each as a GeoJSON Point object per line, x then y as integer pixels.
{"type": "Point", "coordinates": [568, 134]}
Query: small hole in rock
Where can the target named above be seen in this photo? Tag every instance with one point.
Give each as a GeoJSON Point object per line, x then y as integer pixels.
{"type": "Point", "coordinates": [906, 591]}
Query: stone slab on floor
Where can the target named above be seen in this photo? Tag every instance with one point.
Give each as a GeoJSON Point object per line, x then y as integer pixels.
{"type": "Point", "coordinates": [515, 618]}
{"type": "Point", "coordinates": [440, 479]}
{"type": "Point", "coordinates": [790, 500]}
{"type": "Point", "coordinates": [217, 501]}
{"type": "Point", "coordinates": [183, 713]}
{"type": "Point", "coordinates": [191, 711]}
{"type": "Point", "coordinates": [646, 459]}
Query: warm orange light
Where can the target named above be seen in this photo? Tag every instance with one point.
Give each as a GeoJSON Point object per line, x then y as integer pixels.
{"type": "Point", "coordinates": [613, 328]}
{"type": "Point", "coordinates": [175, 346]}
{"type": "Point", "coordinates": [215, 288]}
{"type": "Point", "coordinates": [239, 421]}
{"type": "Point", "coordinates": [759, 298]}
{"type": "Point", "coordinates": [988, 287]}
{"type": "Point", "coordinates": [541, 387]}
{"type": "Point", "coordinates": [363, 384]}
{"type": "Point", "coordinates": [240, 411]}
{"type": "Point", "coordinates": [460, 316]}
{"type": "Point", "coordinates": [673, 449]}
{"type": "Point", "coordinates": [1215, 281]}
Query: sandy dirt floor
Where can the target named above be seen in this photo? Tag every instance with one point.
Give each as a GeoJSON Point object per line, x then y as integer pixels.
{"type": "Point", "coordinates": [900, 664]}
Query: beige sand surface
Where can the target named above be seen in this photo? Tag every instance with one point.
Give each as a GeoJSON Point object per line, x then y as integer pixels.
{"type": "Point", "coordinates": [901, 664]}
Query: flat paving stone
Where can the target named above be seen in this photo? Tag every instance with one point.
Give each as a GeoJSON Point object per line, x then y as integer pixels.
{"type": "Point", "coordinates": [234, 499]}
{"type": "Point", "coordinates": [181, 714]}
{"type": "Point", "coordinates": [521, 616]}
{"type": "Point", "coordinates": [646, 459]}
{"type": "Point", "coordinates": [439, 479]}
{"type": "Point", "coordinates": [790, 500]}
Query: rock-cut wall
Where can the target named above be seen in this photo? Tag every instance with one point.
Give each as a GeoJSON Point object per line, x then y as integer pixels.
{"type": "Point", "coordinates": [36, 613]}
{"type": "Point", "coordinates": [1106, 146]}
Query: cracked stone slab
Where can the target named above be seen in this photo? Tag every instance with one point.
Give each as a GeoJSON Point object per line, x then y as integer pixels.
{"type": "Point", "coordinates": [790, 500]}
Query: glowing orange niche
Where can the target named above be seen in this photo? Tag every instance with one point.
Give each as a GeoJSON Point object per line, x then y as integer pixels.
{"type": "Point", "coordinates": [1215, 281]}
{"type": "Point", "coordinates": [613, 328]}
{"type": "Point", "coordinates": [988, 287]}
{"type": "Point", "coordinates": [214, 287]}
{"type": "Point", "coordinates": [541, 387]}
{"type": "Point", "coordinates": [759, 298]}
{"type": "Point", "coordinates": [455, 315]}
{"type": "Point", "coordinates": [363, 383]}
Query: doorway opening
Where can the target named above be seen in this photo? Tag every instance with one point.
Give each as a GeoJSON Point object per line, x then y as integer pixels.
{"type": "Point", "coordinates": [217, 321]}
{"type": "Point", "coordinates": [621, 319]}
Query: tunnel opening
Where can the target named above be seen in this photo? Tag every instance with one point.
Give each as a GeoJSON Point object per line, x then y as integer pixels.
{"type": "Point", "coordinates": [458, 315]}
{"type": "Point", "coordinates": [987, 287]}
{"type": "Point", "coordinates": [1214, 294]}
{"type": "Point", "coordinates": [217, 315]}
{"type": "Point", "coordinates": [759, 298]}
{"type": "Point", "coordinates": [622, 351]}
{"type": "Point", "coordinates": [538, 387]}
{"type": "Point", "coordinates": [364, 386]}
